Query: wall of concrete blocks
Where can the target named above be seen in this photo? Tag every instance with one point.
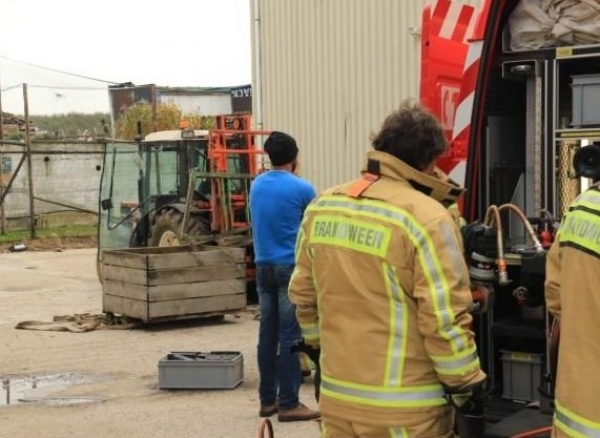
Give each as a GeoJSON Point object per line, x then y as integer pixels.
{"type": "Point", "coordinates": [66, 182]}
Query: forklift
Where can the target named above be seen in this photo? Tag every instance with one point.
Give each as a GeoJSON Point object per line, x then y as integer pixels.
{"type": "Point", "coordinates": [181, 187]}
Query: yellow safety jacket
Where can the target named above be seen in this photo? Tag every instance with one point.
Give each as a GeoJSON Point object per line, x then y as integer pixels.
{"type": "Point", "coordinates": [573, 295]}
{"type": "Point", "coordinates": [382, 288]}
{"type": "Point", "coordinates": [452, 205]}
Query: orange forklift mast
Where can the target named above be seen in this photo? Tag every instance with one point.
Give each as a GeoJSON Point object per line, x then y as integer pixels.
{"type": "Point", "coordinates": [234, 161]}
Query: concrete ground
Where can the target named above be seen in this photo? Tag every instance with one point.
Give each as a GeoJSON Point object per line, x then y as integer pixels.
{"type": "Point", "coordinates": [119, 368]}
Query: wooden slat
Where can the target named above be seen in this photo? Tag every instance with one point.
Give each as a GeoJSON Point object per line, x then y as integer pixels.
{"type": "Point", "coordinates": [173, 257]}
{"type": "Point", "coordinates": [197, 306]}
{"type": "Point", "coordinates": [157, 250]}
{"type": "Point", "coordinates": [213, 257]}
{"type": "Point", "coordinates": [195, 290]}
{"type": "Point", "coordinates": [125, 306]}
{"type": "Point", "coordinates": [194, 275]}
{"type": "Point", "coordinates": [123, 258]}
{"type": "Point", "coordinates": [127, 275]}
{"type": "Point", "coordinates": [125, 289]}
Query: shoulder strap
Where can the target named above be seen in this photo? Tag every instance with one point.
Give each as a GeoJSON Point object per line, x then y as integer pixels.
{"type": "Point", "coordinates": [372, 175]}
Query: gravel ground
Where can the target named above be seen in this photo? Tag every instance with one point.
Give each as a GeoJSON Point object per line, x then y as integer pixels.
{"type": "Point", "coordinates": [115, 372]}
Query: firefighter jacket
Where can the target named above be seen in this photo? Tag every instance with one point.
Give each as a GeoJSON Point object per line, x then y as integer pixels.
{"type": "Point", "coordinates": [452, 206]}
{"type": "Point", "coordinates": [381, 286]}
{"type": "Point", "coordinates": [572, 295]}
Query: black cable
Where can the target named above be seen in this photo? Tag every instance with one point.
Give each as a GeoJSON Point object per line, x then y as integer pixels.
{"type": "Point", "coordinates": [11, 87]}
{"type": "Point", "coordinates": [50, 87]}
{"type": "Point", "coordinates": [58, 71]}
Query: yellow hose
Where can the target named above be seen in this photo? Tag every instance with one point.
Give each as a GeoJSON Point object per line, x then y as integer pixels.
{"type": "Point", "coordinates": [492, 218]}
{"type": "Point", "coordinates": [526, 224]}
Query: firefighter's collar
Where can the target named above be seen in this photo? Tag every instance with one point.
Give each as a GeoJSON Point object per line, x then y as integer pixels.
{"type": "Point", "coordinates": [438, 186]}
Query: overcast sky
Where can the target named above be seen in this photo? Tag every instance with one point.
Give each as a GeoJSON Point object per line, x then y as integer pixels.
{"type": "Point", "coordinates": [200, 43]}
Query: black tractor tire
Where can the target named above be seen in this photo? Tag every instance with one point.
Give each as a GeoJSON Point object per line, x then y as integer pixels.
{"type": "Point", "coordinates": [167, 223]}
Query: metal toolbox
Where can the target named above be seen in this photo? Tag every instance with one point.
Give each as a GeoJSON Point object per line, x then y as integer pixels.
{"type": "Point", "coordinates": [586, 100]}
{"type": "Point", "coordinates": [522, 375]}
{"type": "Point", "coordinates": [197, 370]}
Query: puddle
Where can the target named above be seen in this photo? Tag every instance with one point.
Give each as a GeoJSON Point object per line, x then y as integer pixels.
{"type": "Point", "coordinates": [39, 389]}
{"type": "Point", "coordinates": [60, 401]}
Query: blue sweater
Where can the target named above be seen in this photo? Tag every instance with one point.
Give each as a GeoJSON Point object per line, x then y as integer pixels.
{"type": "Point", "coordinates": [278, 199]}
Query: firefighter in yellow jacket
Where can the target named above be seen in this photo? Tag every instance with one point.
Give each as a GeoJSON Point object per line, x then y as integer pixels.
{"type": "Point", "coordinates": [381, 288]}
{"type": "Point", "coordinates": [572, 286]}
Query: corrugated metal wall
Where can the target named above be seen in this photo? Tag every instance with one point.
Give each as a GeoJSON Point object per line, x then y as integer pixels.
{"type": "Point", "coordinates": [331, 71]}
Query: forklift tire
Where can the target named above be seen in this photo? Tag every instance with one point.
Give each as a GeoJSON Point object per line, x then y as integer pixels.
{"type": "Point", "coordinates": [165, 230]}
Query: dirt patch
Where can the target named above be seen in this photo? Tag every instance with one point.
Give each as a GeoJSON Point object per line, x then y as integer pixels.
{"type": "Point", "coordinates": [53, 243]}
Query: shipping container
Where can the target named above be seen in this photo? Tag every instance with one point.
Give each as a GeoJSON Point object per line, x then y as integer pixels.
{"type": "Point", "coordinates": [329, 71]}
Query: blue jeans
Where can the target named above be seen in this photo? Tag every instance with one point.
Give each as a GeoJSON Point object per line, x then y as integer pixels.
{"type": "Point", "coordinates": [280, 373]}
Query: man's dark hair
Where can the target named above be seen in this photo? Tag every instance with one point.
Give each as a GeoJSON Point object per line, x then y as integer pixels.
{"type": "Point", "coordinates": [281, 148]}
{"type": "Point", "coordinates": [412, 134]}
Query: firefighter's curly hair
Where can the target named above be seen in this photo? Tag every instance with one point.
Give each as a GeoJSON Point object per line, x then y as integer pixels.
{"type": "Point", "coordinates": [412, 134]}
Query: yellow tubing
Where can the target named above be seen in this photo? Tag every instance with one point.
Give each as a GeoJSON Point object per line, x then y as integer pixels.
{"type": "Point", "coordinates": [492, 218]}
{"type": "Point", "coordinates": [526, 224]}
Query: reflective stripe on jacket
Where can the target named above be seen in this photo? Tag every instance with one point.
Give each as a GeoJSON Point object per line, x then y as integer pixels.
{"type": "Point", "coordinates": [573, 425]}
{"type": "Point", "coordinates": [381, 286]}
{"type": "Point", "coordinates": [573, 295]}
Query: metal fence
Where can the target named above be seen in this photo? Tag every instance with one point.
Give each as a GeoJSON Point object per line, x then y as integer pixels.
{"type": "Point", "coordinates": [49, 184]}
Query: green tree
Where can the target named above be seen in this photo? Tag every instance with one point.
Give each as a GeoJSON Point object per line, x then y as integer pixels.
{"type": "Point", "coordinates": [72, 125]}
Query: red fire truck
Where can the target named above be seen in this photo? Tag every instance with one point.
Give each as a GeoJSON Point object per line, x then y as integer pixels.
{"type": "Point", "coordinates": [516, 84]}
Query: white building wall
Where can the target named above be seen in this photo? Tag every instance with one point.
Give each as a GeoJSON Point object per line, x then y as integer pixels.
{"type": "Point", "coordinates": [329, 71]}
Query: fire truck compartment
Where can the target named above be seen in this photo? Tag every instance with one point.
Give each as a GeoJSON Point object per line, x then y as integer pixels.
{"type": "Point", "coordinates": [586, 100]}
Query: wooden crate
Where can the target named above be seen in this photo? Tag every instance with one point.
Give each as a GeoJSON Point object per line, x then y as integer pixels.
{"type": "Point", "coordinates": [157, 284]}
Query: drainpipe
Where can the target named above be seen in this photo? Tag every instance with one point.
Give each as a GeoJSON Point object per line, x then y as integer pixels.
{"type": "Point", "coordinates": [257, 110]}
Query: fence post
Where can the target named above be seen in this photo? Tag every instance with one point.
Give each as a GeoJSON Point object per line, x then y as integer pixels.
{"type": "Point", "coordinates": [2, 211]}
{"type": "Point", "coordinates": [29, 164]}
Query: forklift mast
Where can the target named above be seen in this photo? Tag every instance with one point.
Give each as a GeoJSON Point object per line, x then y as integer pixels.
{"type": "Point", "coordinates": [234, 160]}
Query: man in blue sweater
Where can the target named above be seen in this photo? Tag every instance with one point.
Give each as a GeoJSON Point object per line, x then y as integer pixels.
{"type": "Point", "coordinates": [278, 199]}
